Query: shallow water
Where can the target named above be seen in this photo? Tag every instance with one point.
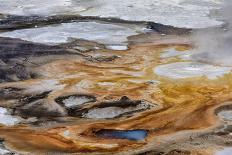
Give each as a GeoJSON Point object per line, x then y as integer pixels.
{"type": "Point", "coordinates": [126, 134]}
{"type": "Point", "coordinates": [112, 35]}
{"type": "Point", "coordinates": [226, 115]}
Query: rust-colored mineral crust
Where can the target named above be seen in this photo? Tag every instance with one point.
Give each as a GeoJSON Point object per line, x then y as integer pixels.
{"type": "Point", "coordinates": [75, 98]}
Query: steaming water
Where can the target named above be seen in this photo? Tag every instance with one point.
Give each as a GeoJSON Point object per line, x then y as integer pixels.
{"type": "Point", "coordinates": [172, 52]}
{"type": "Point", "coordinates": [190, 69]}
{"type": "Point", "coordinates": [214, 45]}
{"type": "Point", "coordinates": [180, 13]}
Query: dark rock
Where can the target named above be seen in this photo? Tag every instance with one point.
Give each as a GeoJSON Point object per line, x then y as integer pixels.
{"type": "Point", "coordinates": [19, 22]}
{"type": "Point", "coordinates": [13, 48]}
{"type": "Point", "coordinates": [10, 93]}
{"type": "Point", "coordinates": [165, 29]}
{"type": "Point", "coordinates": [179, 152]}
{"type": "Point", "coordinates": [72, 107]}
{"type": "Point", "coordinates": [114, 109]}
{"type": "Point", "coordinates": [152, 153]}
{"type": "Point", "coordinates": [32, 98]}
{"type": "Point", "coordinates": [103, 58]}
{"type": "Point", "coordinates": [39, 108]}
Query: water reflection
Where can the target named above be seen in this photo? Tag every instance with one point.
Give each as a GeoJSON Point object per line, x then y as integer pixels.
{"type": "Point", "coordinates": [123, 134]}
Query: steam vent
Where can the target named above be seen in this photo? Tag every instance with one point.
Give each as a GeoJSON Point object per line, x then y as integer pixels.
{"type": "Point", "coordinates": [115, 77]}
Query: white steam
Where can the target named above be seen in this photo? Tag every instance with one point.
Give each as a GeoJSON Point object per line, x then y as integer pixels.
{"type": "Point", "coordinates": [214, 45]}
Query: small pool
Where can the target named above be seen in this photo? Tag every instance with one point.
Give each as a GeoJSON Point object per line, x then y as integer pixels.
{"type": "Point", "coordinates": [134, 135]}
{"type": "Point", "coordinates": [226, 151]}
{"type": "Point", "coordinates": [226, 115]}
